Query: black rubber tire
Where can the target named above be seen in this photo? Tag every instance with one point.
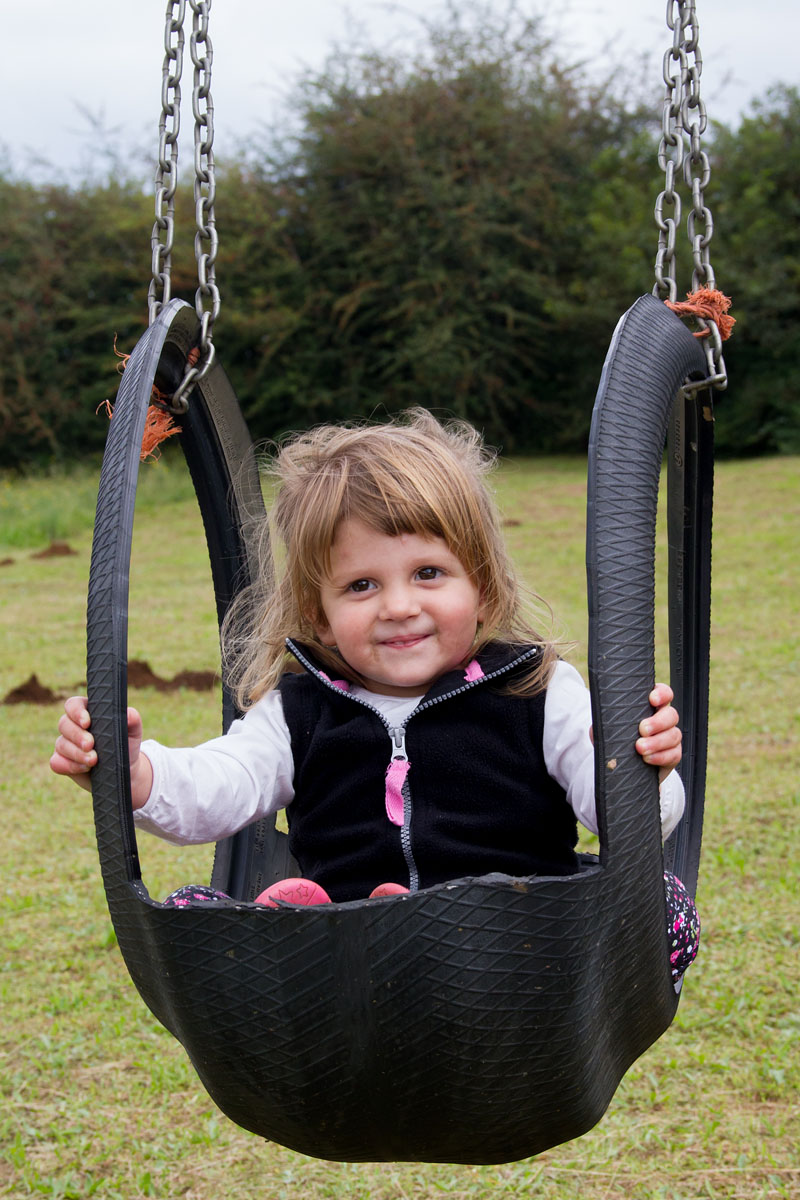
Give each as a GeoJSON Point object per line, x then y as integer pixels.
{"type": "Point", "coordinates": [477, 1022]}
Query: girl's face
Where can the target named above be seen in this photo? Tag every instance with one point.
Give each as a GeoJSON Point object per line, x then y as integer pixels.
{"type": "Point", "coordinates": [400, 610]}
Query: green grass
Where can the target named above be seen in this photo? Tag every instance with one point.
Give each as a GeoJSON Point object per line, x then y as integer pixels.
{"type": "Point", "coordinates": [58, 504]}
{"type": "Point", "coordinates": [99, 1101]}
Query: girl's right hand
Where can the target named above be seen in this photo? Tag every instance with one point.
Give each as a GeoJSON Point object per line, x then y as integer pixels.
{"type": "Point", "coordinates": [74, 754]}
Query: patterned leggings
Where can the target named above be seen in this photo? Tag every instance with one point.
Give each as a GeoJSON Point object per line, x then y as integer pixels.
{"type": "Point", "coordinates": [683, 923]}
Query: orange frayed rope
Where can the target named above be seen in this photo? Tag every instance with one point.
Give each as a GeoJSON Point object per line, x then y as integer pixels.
{"type": "Point", "coordinates": [158, 424]}
{"type": "Point", "coordinates": [709, 304]}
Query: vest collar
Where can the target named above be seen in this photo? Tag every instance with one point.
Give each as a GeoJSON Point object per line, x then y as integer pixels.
{"type": "Point", "coordinates": [494, 660]}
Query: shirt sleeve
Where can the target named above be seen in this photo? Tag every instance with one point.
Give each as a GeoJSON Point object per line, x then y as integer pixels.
{"type": "Point", "coordinates": [211, 791]}
{"type": "Point", "coordinates": [569, 753]}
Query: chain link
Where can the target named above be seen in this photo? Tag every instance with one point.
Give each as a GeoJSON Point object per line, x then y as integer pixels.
{"type": "Point", "coordinates": [166, 182]}
{"type": "Point", "coordinates": [207, 298]}
{"type": "Point", "coordinates": [681, 154]}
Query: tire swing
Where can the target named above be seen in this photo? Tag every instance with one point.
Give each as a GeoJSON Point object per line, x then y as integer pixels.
{"type": "Point", "coordinates": [483, 1020]}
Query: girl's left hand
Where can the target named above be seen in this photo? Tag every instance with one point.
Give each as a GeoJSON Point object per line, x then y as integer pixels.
{"type": "Point", "coordinates": [660, 740]}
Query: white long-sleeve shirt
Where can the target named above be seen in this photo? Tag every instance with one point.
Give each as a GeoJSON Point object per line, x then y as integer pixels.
{"type": "Point", "coordinates": [209, 792]}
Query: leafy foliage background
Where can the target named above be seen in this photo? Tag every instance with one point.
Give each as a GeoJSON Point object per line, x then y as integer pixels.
{"type": "Point", "coordinates": [458, 227]}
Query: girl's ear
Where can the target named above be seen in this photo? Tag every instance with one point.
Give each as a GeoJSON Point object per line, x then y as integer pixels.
{"type": "Point", "coordinates": [313, 618]}
{"type": "Point", "coordinates": [482, 606]}
{"type": "Point", "coordinates": [322, 629]}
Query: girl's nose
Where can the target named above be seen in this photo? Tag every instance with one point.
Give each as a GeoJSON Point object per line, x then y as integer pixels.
{"type": "Point", "coordinates": [399, 603]}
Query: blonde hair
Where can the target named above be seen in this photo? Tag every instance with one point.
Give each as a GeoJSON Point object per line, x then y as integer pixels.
{"type": "Point", "coordinates": [413, 475]}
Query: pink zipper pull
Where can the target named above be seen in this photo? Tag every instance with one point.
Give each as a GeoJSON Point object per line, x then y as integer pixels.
{"type": "Point", "coordinates": [396, 774]}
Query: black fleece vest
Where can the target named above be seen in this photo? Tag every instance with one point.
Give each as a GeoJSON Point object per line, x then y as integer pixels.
{"type": "Point", "coordinates": [478, 797]}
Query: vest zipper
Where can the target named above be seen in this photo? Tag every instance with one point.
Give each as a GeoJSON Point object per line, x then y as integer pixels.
{"type": "Point", "coordinates": [398, 737]}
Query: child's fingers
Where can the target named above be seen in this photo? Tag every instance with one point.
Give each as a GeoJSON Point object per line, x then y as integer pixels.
{"type": "Point", "coordinates": [661, 694]}
{"type": "Point", "coordinates": [134, 723]}
{"type": "Point", "coordinates": [64, 762]}
{"type": "Point", "coordinates": [660, 737]}
{"type": "Point", "coordinates": [60, 765]}
{"type": "Point", "coordinates": [63, 766]}
{"type": "Point", "coordinates": [661, 720]}
{"type": "Point", "coordinates": [662, 749]}
{"type": "Point", "coordinates": [77, 752]}
{"type": "Point", "coordinates": [74, 752]}
{"type": "Point", "coordinates": [77, 709]}
{"type": "Point", "coordinates": [73, 734]}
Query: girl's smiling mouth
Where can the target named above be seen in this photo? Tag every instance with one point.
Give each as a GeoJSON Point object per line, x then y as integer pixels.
{"type": "Point", "coordinates": [405, 641]}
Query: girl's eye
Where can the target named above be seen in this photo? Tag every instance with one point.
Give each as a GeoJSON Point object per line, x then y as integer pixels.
{"type": "Point", "coordinates": [360, 585]}
{"type": "Point", "coordinates": [427, 573]}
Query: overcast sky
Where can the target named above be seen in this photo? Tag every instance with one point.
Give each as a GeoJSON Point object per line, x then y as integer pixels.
{"type": "Point", "coordinates": [63, 59]}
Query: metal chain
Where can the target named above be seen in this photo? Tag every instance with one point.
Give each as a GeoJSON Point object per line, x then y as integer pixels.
{"type": "Point", "coordinates": [680, 153]}
{"type": "Point", "coordinates": [166, 182]}
{"type": "Point", "coordinates": [207, 299]}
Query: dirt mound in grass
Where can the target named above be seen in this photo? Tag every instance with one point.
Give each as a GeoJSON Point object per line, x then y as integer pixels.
{"type": "Point", "coordinates": [140, 675]}
{"type": "Point", "coordinates": [55, 550]}
{"type": "Point", "coordinates": [31, 692]}
{"type": "Point", "coordinates": [195, 681]}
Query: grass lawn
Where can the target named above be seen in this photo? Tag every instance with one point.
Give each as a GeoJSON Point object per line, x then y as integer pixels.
{"type": "Point", "coordinates": [98, 1100]}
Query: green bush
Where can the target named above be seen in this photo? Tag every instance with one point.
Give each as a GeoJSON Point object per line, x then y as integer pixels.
{"type": "Point", "coordinates": [757, 182]}
{"type": "Point", "coordinates": [425, 241]}
{"type": "Point", "coordinates": [459, 226]}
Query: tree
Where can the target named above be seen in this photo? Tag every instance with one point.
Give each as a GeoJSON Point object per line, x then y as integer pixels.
{"type": "Point", "coordinates": [756, 202]}
{"type": "Point", "coordinates": [426, 241]}
{"type": "Point", "coordinates": [458, 226]}
{"type": "Point", "coordinates": [73, 262]}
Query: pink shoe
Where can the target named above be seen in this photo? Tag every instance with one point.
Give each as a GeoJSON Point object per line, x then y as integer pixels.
{"type": "Point", "coordinates": [387, 889]}
{"type": "Point", "coordinates": [293, 891]}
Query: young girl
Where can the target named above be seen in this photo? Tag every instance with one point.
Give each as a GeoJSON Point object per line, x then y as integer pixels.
{"type": "Point", "coordinates": [398, 702]}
